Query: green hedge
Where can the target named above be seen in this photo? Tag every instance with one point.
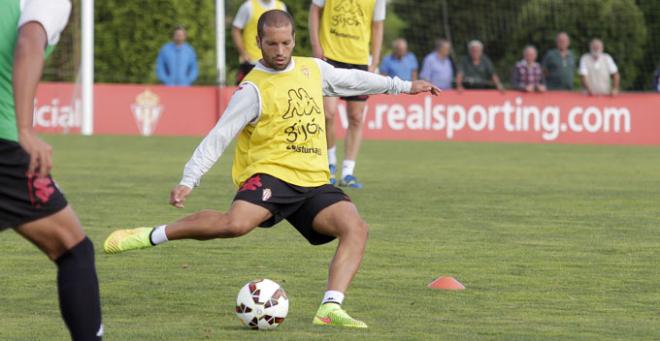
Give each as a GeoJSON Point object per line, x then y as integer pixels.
{"type": "Point", "coordinates": [506, 26]}
{"type": "Point", "coordinates": [619, 23]}
{"type": "Point", "coordinates": [128, 34]}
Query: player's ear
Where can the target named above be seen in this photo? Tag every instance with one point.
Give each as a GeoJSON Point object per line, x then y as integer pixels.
{"type": "Point", "coordinates": [258, 41]}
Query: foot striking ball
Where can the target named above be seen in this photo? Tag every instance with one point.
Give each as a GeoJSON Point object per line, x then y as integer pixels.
{"type": "Point", "coordinates": [262, 304]}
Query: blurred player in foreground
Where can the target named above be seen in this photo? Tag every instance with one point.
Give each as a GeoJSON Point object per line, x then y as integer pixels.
{"type": "Point", "coordinates": [281, 162]}
{"type": "Point", "coordinates": [30, 202]}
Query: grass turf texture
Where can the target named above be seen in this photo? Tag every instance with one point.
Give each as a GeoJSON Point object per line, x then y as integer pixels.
{"type": "Point", "coordinates": [551, 241]}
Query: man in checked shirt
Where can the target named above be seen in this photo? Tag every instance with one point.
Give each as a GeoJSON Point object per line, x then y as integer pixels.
{"type": "Point", "coordinates": [527, 74]}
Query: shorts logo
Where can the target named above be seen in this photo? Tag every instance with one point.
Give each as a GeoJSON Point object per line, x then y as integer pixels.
{"type": "Point", "coordinates": [266, 194]}
{"type": "Point", "coordinates": [251, 184]}
{"type": "Point", "coordinates": [42, 188]}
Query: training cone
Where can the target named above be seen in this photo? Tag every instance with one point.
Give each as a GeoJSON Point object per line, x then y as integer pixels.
{"type": "Point", "coordinates": [446, 283]}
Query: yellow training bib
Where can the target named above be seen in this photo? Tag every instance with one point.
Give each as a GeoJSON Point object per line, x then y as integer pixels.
{"type": "Point", "coordinates": [346, 30]}
{"type": "Point", "coordinates": [288, 141]}
{"type": "Point", "coordinates": [250, 29]}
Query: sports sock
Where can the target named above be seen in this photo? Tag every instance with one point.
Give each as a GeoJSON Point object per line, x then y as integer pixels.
{"type": "Point", "coordinates": [332, 155]}
{"type": "Point", "coordinates": [157, 235]}
{"type": "Point", "coordinates": [333, 296]}
{"type": "Point", "coordinates": [78, 289]}
{"type": "Point", "coordinates": [348, 167]}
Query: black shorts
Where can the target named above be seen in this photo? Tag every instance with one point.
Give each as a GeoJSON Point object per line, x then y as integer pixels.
{"type": "Point", "coordinates": [341, 65]}
{"type": "Point", "coordinates": [24, 199]}
{"type": "Point", "coordinates": [243, 70]}
{"type": "Point", "coordinates": [298, 205]}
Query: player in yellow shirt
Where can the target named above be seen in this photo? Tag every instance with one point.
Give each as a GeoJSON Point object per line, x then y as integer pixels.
{"type": "Point", "coordinates": [244, 33]}
{"type": "Point", "coordinates": [280, 163]}
{"type": "Point", "coordinates": [342, 32]}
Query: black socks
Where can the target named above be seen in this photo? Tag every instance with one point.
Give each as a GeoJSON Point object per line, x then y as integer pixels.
{"type": "Point", "coordinates": [78, 290]}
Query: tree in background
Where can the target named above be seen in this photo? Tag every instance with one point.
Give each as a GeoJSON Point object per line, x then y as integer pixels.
{"type": "Point", "coordinates": [128, 34]}
{"type": "Point", "coordinates": [506, 26]}
{"type": "Point", "coordinates": [619, 23]}
{"type": "Point", "coordinates": [651, 61]}
{"type": "Point", "coordinates": [488, 21]}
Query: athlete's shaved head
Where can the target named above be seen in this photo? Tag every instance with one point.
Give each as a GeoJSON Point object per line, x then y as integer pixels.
{"type": "Point", "coordinates": [276, 37]}
{"type": "Point", "coordinates": [275, 18]}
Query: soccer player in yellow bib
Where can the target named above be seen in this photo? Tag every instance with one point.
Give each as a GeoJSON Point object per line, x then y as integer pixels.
{"type": "Point", "coordinates": [280, 165]}
{"type": "Point", "coordinates": [244, 33]}
{"type": "Point", "coordinates": [342, 32]}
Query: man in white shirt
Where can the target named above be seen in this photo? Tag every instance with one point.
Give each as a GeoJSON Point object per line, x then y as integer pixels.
{"type": "Point", "coordinates": [598, 71]}
{"type": "Point", "coordinates": [244, 33]}
{"type": "Point", "coordinates": [280, 162]}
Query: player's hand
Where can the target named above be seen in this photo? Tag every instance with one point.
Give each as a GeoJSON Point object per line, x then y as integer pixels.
{"type": "Point", "coordinates": [373, 67]}
{"type": "Point", "coordinates": [317, 52]}
{"type": "Point", "coordinates": [40, 153]}
{"type": "Point", "coordinates": [244, 58]}
{"type": "Point", "coordinates": [419, 86]}
{"type": "Point", "coordinates": [178, 195]}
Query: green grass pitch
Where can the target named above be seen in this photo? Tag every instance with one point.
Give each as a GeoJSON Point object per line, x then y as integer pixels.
{"type": "Point", "coordinates": [551, 241]}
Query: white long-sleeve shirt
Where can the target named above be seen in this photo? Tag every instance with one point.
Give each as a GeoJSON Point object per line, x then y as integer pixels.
{"type": "Point", "coordinates": [245, 106]}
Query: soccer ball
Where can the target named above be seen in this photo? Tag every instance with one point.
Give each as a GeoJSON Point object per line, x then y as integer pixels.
{"type": "Point", "coordinates": [262, 304]}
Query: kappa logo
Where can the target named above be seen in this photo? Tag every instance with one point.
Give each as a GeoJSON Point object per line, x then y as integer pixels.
{"type": "Point", "coordinates": [267, 193]}
{"type": "Point", "coordinates": [300, 104]}
{"type": "Point", "coordinates": [147, 111]}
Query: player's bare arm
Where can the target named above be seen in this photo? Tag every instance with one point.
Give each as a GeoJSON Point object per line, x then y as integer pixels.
{"type": "Point", "coordinates": [377, 29]}
{"type": "Point", "coordinates": [28, 65]}
{"type": "Point", "coordinates": [237, 38]}
{"type": "Point", "coordinates": [314, 20]}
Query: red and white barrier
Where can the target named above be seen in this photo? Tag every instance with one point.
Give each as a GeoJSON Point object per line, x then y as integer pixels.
{"type": "Point", "coordinates": [555, 117]}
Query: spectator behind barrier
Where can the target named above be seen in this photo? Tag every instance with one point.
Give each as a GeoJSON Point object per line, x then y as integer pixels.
{"type": "Point", "coordinates": [476, 70]}
{"type": "Point", "coordinates": [438, 67]}
{"type": "Point", "coordinates": [400, 63]}
{"type": "Point", "coordinates": [559, 65]}
{"type": "Point", "coordinates": [527, 74]}
{"type": "Point", "coordinates": [597, 70]}
{"type": "Point", "coordinates": [176, 64]}
{"type": "Point", "coordinates": [656, 79]}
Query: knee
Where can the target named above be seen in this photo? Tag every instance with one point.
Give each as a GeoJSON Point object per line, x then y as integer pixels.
{"type": "Point", "coordinates": [355, 120]}
{"type": "Point", "coordinates": [330, 114]}
{"type": "Point", "coordinates": [237, 227]}
{"type": "Point", "coordinates": [363, 230]}
{"type": "Point", "coordinates": [63, 240]}
{"type": "Point", "coordinates": [357, 232]}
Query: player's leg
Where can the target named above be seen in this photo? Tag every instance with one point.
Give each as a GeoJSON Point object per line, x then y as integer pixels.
{"type": "Point", "coordinates": [355, 108]}
{"type": "Point", "coordinates": [330, 108]}
{"type": "Point", "coordinates": [241, 218]}
{"type": "Point", "coordinates": [341, 220]}
{"type": "Point", "coordinates": [327, 214]}
{"type": "Point", "coordinates": [62, 239]}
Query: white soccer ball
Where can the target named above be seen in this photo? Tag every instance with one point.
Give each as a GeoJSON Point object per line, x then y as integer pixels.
{"type": "Point", "coordinates": [262, 304]}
